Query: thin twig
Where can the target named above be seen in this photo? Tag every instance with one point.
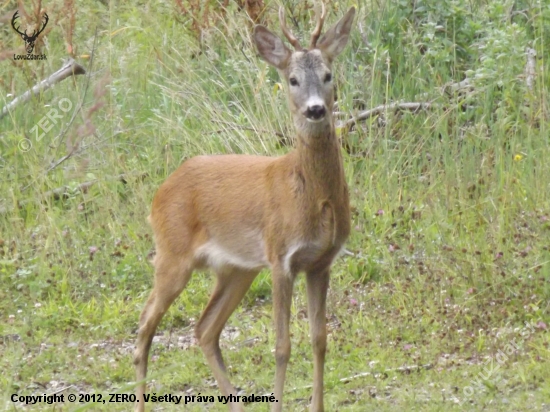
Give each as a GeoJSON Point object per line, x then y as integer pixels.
{"type": "Point", "coordinates": [70, 68]}
{"type": "Point", "coordinates": [530, 68]}
{"type": "Point", "coordinates": [367, 114]}
{"type": "Point", "coordinates": [62, 390]}
{"type": "Point", "coordinates": [465, 84]}
{"type": "Point", "coordinates": [364, 37]}
{"type": "Point", "coordinates": [403, 369]}
{"type": "Point", "coordinates": [77, 110]}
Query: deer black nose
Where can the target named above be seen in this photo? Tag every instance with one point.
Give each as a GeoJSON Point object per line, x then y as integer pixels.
{"type": "Point", "coordinates": [316, 112]}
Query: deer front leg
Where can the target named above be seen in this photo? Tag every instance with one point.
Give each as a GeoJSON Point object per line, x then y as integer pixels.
{"type": "Point", "coordinates": [282, 299]}
{"type": "Point", "coordinates": [317, 286]}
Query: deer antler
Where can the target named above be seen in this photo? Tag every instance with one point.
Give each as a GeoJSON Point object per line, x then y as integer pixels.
{"type": "Point", "coordinates": [15, 16]}
{"type": "Point", "coordinates": [317, 32]}
{"type": "Point", "coordinates": [291, 38]}
{"type": "Point", "coordinates": [35, 33]}
{"type": "Point", "coordinates": [46, 19]}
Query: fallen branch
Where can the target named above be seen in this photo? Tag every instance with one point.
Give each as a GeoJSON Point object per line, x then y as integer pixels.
{"type": "Point", "coordinates": [462, 86]}
{"type": "Point", "coordinates": [70, 68]}
{"type": "Point", "coordinates": [62, 390]}
{"type": "Point", "coordinates": [367, 114]}
{"type": "Point", "coordinates": [402, 369]}
{"type": "Point", "coordinates": [64, 191]}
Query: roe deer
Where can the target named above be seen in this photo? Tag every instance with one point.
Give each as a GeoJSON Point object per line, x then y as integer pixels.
{"type": "Point", "coordinates": [237, 214]}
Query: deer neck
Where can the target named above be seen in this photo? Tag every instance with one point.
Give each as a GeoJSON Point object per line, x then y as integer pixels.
{"type": "Point", "coordinates": [320, 160]}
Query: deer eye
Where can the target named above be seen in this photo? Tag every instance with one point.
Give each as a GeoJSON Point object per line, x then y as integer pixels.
{"type": "Point", "coordinates": [328, 77]}
{"type": "Point", "coordinates": [293, 81]}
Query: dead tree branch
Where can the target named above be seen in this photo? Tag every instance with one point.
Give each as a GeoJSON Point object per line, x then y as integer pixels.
{"type": "Point", "coordinates": [70, 68]}
{"type": "Point", "coordinates": [402, 369]}
{"type": "Point", "coordinates": [367, 114]}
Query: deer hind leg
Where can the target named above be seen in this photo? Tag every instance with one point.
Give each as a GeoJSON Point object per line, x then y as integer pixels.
{"type": "Point", "coordinates": [171, 276]}
{"type": "Point", "coordinates": [231, 287]}
{"type": "Point", "coordinates": [317, 287]}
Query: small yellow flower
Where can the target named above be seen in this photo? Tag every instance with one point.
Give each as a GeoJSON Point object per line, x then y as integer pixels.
{"type": "Point", "coordinates": [277, 87]}
{"type": "Point", "coordinates": [518, 157]}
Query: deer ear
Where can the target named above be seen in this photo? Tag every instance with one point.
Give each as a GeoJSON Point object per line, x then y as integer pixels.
{"type": "Point", "coordinates": [334, 41]}
{"type": "Point", "coordinates": [271, 47]}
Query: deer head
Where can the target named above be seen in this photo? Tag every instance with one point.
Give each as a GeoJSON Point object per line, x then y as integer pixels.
{"type": "Point", "coordinates": [29, 40]}
{"type": "Point", "coordinates": [307, 72]}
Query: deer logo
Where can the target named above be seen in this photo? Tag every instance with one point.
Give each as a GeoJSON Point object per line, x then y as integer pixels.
{"type": "Point", "coordinates": [29, 40]}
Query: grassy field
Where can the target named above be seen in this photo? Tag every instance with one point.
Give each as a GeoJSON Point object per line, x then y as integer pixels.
{"type": "Point", "coordinates": [444, 305]}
